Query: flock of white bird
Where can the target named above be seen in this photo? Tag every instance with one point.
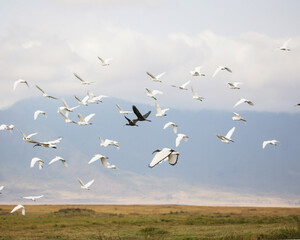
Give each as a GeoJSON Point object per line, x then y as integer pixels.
{"type": "Point", "coordinates": [165, 154]}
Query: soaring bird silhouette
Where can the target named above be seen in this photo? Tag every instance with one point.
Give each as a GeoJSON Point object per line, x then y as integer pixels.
{"type": "Point", "coordinates": [140, 117]}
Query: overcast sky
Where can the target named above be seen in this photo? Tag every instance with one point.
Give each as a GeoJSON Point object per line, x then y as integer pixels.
{"type": "Point", "coordinates": [45, 42]}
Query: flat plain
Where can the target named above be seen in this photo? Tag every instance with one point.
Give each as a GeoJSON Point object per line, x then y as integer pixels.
{"type": "Point", "coordinates": [148, 222]}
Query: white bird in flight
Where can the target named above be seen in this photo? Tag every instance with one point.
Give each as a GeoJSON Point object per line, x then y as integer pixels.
{"type": "Point", "coordinates": [103, 160]}
{"type": "Point", "coordinates": [152, 93]}
{"type": "Point", "coordinates": [17, 208]}
{"type": "Point", "coordinates": [85, 186]}
{"type": "Point", "coordinates": [243, 100]}
{"type": "Point", "coordinates": [104, 62]}
{"type": "Point", "coordinates": [197, 71]}
{"type": "Point", "coordinates": [107, 142]}
{"type": "Point", "coordinates": [175, 127]}
{"type": "Point", "coordinates": [83, 82]}
{"type": "Point", "coordinates": [271, 142]}
{"type": "Point", "coordinates": [65, 115]}
{"type": "Point", "coordinates": [195, 95]}
{"type": "Point", "coordinates": [227, 138]}
{"type": "Point", "coordinates": [57, 158]}
{"type": "Point", "coordinates": [164, 154]}
{"type": "Point", "coordinates": [45, 94]}
{"type": "Point", "coordinates": [7, 127]}
{"type": "Point", "coordinates": [49, 144]}
{"type": "Point", "coordinates": [1, 188]}
{"type": "Point", "coordinates": [37, 113]}
{"type": "Point", "coordinates": [284, 46]}
{"type": "Point", "coordinates": [17, 82]}
{"type": "Point", "coordinates": [33, 198]}
{"type": "Point", "coordinates": [121, 111]}
{"type": "Point", "coordinates": [66, 106]}
{"type": "Point", "coordinates": [181, 136]}
{"type": "Point", "coordinates": [83, 101]}
{"type": "Point", "coordinates": [85, 121]}
{"type": "Point", "coordinates": [234, 85]}
{"type": "Point", "coordinates": [183, 86]}
{"type": "Point", "coordinates": [37, 160]}
{"type": "Point", "coordinates": [95, 99]}
{"type": "Point", "coordinates": [221, 68]}
{"type": "Point", "coordinates": [238, 117]}
{"type": "Point", "coordinates": [155, 78]}
{"type": "Point", "coordinates": [160, 112]}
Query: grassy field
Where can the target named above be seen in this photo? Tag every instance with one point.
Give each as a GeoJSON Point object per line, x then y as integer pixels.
{"type": "Point", "coordinates": [148, 222]}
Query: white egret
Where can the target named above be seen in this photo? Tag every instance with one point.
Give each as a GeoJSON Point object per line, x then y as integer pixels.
{"type": "Point", "coordinates": [17, 208]}
{"type": "Point", "coordinates": [37, 113]}
{"type": "Point", "coordinates": [195, 95]}
{"type": "Point", "coordinates": [284, 46]}
{"type": "Point", "coordinates": [197, 71]}
{"type": "Point", "coordinates": [37, 160]}
{"type": "Point", "coordinates": [175, 127]}
{"type": "Point", "coordinates": [164, 154]}
{"type": "Point", "coordinates": [234, 85]}
{"type": "Point", "coordinates": [155, 78]}
{"type": "Point", "coordinates": [152, 93]}
{"type": "Point", "coordinates": [183, 86]}
{"type": "Point", "coordinates": [243, 100]}
{"type": "Point", "coordinates": [45, 94]}
{"type": "Point", "coordinates": [121, 111]}
{"type": "Point", "coordinates": [57, 158]}
{"type": "Point", "coordinates": [104, 62]}
{"type": "Point", "coordinates": [83, 82]}
{"type": "Point", "coordinates": [227, 138]}
{"type": "Point", "coordinates": [107, 142]}
{"type": "Point", "coordinates": [238, 117]}
{"type": "Point", "coordinates": [7, 127]}
{"type": "Point", "coordinates": [33, 198]}
{"type": "Point", "coordinates": [17, 82]}
{"type": "Point", "coordinates": [160, 112]}
{"type": "Point", "coordinates": [181, 136]}
{"type": "Point", "coordinates": [221, 68]}
{"type": "Point", "coordinates": [85, 186]}
{"type": "Point", "coordinates": [271, 142]}
{"type": "Point", "coordinates": [85, 121]}
{"type": "Point", "coordinates": [103, 160]}
{"type": "Point", "coordinates": [83, 101]}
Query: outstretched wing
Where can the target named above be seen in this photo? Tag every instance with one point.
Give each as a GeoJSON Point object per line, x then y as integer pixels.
{"type": "Point", "coordinates": [137, 112]}
{"type": "Point", "coordinates": [90, 183]}
{"type": "Point", "coordinates": [160, 156]}
{"type": "Point", "coordinates": [230, 132]}
{"type": "Point", "coordinates": [40, 89]}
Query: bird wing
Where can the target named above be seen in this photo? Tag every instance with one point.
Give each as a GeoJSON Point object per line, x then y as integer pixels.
{"type": "Point", "coordinates": [185, 84]}
{"type": "Point", "coordinates": [89, 183]}
{"type": "Point", "coordinates": [178, 139]}
{"type": "Point", "coordinates": [154, 92]}
{"type": "Point", "coordinates": [55, 160]}
{"type": "Point", "coordinates": [230, 132]}
{"type": "Point", "coordinates": [1, 188]}
{"type": "Point", "coordinates": [239, 102]}
{"type": "Point", "coordinates": [88, 118]}
{"type": "Point", "coordinates": [104, 162]}
{"type": "Point", "coordinates": [168, 124]}
{"type": "Point", "coordinates": [157, 107]}
{"type": "Point", "coordinates": [118, 106]}
{"type": "Point", "coordinates": [148, 90]}
{"type": "Point", "coordinates": [81, 183]}
{"type": "Point", "coordinates": [30, 135]}
{"type": "Point", "coordinates": [40, 89]}
{"type": "Point", "coordinates": [36, 114]}
{"type": "Point", "coordinates": [265, 144]}
{"type": "Point", "coordinates": [160, 156]}
{"type": "Point", "coordinates": [34, 160]}
{"type": "Point", "coordinates": [3, 127]}
{"type": "Point", "coordinates": [285, 44]}
{"type": "Point", "coordinates": [16, 83]}
{"type": "Point", "coordinates": [78, 77]}
{"type": "Point", "coordinates": [173, 158]}
{"type": "Point", "coordinates": [80, 117]}
{"type": "Point", "coordinates": [55, 141]}
{"type": "Point", "coordinates": [17, 208]}
{"type": "Point", "coordinates": [77, 98]}
{"type": "Point", "coordinates": [236, 114]}
{"type": "Point", "coordinates": [107, 60]}
{"type": "Point", "coordinates": [150, 75]}
{"type": "Point", "coordinates": [146, 115]}
{"type": "Point", "coordinates": [137, 112]}
{"type": "Point", "coordinates": [194, 92]}
{"type": "Point", "coordinates": [101, 59]}
{"type": "Point", "coordinates": [95, 158]}
{"type": "Point", "coordinates": [65, 115]}
{"type": "Point", "coordinates": [160, 75]}
{"type": "Point", "coordinates": [216, 72]}
{"type": "Point", "coordinates": [65, 103]}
